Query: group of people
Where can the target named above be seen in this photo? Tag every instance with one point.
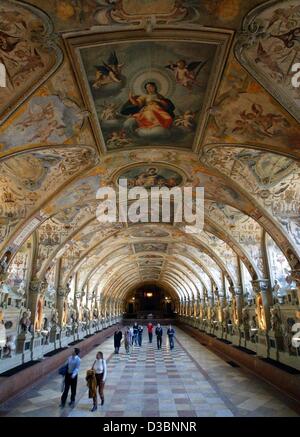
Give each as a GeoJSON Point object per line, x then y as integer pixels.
{"type": "Point", "coordinates": [133, 336]}
{"type": "Point", "coordinates": [96, 376]}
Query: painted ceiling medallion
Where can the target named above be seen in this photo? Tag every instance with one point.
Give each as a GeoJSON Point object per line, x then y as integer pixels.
{"type": "Point", "coordinates": [27, 51]}
{"type": "Point", "coordinates": [149, 91]}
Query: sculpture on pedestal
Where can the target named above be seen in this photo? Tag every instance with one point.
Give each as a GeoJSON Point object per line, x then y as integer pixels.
{"type": "Point", "coordinates": [235, 316]}
{"type": "Point", "coordinates": [245, 317]}
{"type": "Point", "coordinates": [275, 319]}
{"type": "Point", "coordinates": [39, 314]}
{"type": "Point", "coordinates": [260, 312]}
{"type": "Point", "coordinates": [25, 321]}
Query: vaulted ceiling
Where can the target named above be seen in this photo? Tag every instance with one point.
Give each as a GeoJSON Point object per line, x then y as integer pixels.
{"type": "Point", "coordinates": [70, 122]}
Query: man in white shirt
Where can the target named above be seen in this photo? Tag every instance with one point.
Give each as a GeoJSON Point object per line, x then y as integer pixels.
{"type": "Point", "coordinates": [73, 365]}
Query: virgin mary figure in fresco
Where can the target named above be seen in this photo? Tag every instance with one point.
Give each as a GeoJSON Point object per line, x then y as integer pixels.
{"type": "Point", "coordinates": [149, 111]}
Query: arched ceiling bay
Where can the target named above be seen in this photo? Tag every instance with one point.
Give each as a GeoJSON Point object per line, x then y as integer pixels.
{"type": "Point", "coordinates": [68, 127]}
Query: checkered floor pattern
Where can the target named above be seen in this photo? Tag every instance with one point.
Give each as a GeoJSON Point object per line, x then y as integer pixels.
{"type": "Point", "coordinates": [187, 381]}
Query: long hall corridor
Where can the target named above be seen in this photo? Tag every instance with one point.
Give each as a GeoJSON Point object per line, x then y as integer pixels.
{"type": "Point", "coordinates": [188, 381]}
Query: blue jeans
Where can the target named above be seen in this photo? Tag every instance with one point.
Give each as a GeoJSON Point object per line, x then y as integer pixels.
{"type": "Point", "coordinates": [171, 341]}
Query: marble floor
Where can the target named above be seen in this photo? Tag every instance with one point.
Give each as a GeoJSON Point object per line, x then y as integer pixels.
{"type": "Point", "coordinates": [188, 381]}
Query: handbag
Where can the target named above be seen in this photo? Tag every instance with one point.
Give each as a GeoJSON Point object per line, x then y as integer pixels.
{"type": "Point", "coordinates": [63, 370]}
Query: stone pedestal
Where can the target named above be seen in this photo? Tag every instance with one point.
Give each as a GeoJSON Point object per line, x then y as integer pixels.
{"type": "Point", "coordinates": [236, 335]}
{"type": "Point", "coordinates": [37, 347]}
{"type": "Point", "coordinates": [262, 349]}
{"type": "Point", "coordinates": [55, 336]}
{"type": "Point", "coordinates": [65, 337]}
{"type": "Point", "coordinates": [23, 346]}
{"type": "Point", "coordinates": [276, 344]}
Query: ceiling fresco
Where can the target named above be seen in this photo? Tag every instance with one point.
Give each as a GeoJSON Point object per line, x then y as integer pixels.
{"type": "Point", "coordinates": [28, 52]}
{"type": "Point", "coordinates": [160, 97]}
{"type": "Point", "coordinates": [164, 94]}
{"type": "Point", "coordinates": [269, 47]}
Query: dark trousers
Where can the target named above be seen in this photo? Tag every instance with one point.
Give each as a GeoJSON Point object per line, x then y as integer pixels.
{"type": "Point", "coordinates": [140, 339]}
{"type": "Point", "coordinates": [69, 382]}
{"type": "Point", "coordinates": [159, 340]}
{"type": "Point", "coordinates": [100, 385]}
{"type": "Point", "coordinates": [150, 337]}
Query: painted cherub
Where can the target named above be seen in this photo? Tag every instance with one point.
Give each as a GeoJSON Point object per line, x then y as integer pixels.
{"type": "Point", "coordinates": [186, 74]}
{"type": "Point", "coordinates": [187, 120]}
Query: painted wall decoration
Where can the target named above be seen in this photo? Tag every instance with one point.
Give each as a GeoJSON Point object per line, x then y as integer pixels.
{"type": "Point", "coordinates": [27, 178]}
{"type": "Point", "coordinates": [156, 98]}
{"type": "Point", "coordinates": [148, 232]}
{"type": "Point", "coordinates": [81, 14]}
{"type": "Point", "coordinates": [150, 247]}
{"type": "Point", "coordinates": [243, 113]}
{"type": "Point", "coordinates": [148, 176]}
{"type": "Point", "coordinates": [269, 46]}
{"type": "Point", "coordinates": [27, 51]}
{"type": "Point", "coordinates": [47, 120]}
{"type": "Point", "coordinates": [272, 179]}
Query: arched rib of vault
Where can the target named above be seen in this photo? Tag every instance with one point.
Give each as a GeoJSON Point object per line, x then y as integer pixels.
{"type": "Point", "coordinates": [260, 213]}
{"type": "Point", "coordinates": [119, 281]}
{"type": "Point", "coordinates": [198, 270]}
{"type": "Point", "coordinates": [187, 294]}
{"type": "Point", "coordinates": [209, 226]}
{"type": "Point", "coordinates": [221, 251]}
{"type": "Point", "coordinates": [121, 286]}
{"type": "Point", "coordinates": [101, 261]}
{"type": "Point", "coordinates": [123, 274]}
{"type": "Point", "coordinates": [247, 205]}
{"type": "Point", "coordinates": [101, 273]}
{"type": "Point", "coordinates": [50, 189]}
{"type": "Point", "coordinates": [90, 225]}
{"type": "Point", "coordinates": [251, 265]}
{"type": "Point", "coordinates": [197, 264]}
{"type": "Point", "coordinates": [108, 250]}
{"type": "Point", "coordinates": [199, 246]}
{"type": "Point", "coordinates": [182, 278]}
{"type": "Point", "coordinates": [213, 228]}
{"type": "Point", "coordinates": [200, 276]}
{"type": "Point", "coordinates": [244, 230]}
{"type": "Point", "coordinates": [192, 241]}
{"type": "Point", "coordinates": [107, 263]}
{"type": "Point", "coordinates": [167, 287]}
{"type": "Point", "coordinates": [190, 278]}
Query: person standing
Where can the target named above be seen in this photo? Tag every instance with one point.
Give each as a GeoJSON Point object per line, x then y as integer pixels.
{"type": "Point", "coordinates": [72, 368]}
{"type": "Point", "coordinates": [127, 340]}
{"type": "Point", "coordinates": [171, 334]}
{"type": "Point", "coordinates": [140, 334]}
{"type": "Point", "coordinates": [117, 339]}
{"type": "Point", "coordinates": [100, 368]}
{"type": "Point", "coordinates": [150, 331]}
{"type": "Point", "coordinates": [135, 333]}
{"type": "Point", "coordinates": [131, 334]}
{"type": "Point", "coordinates": [159, 334]}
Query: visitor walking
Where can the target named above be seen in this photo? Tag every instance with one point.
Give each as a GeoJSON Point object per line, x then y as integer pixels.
{"type": "Point", "coordinates": [140, 334]}
{"type": "Point", "coordinates": [127, 340]}
{"type": "Point", "coordinates": [159, 334]}
{"type": "Point", "coordinates": [150, 331]}
{"type": "Point", "coordinates": [100, 369]}
{"type": "Point", "coordinates": [135, 333]}
{"type": "Point", "coordinates": [131, 333]}
{"type": "Point", "coordinates": [171, 334]}
{"type": "Point", "coordinates": [117, 339]}
{"type": "Point", "coordinates": [71, 375]}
